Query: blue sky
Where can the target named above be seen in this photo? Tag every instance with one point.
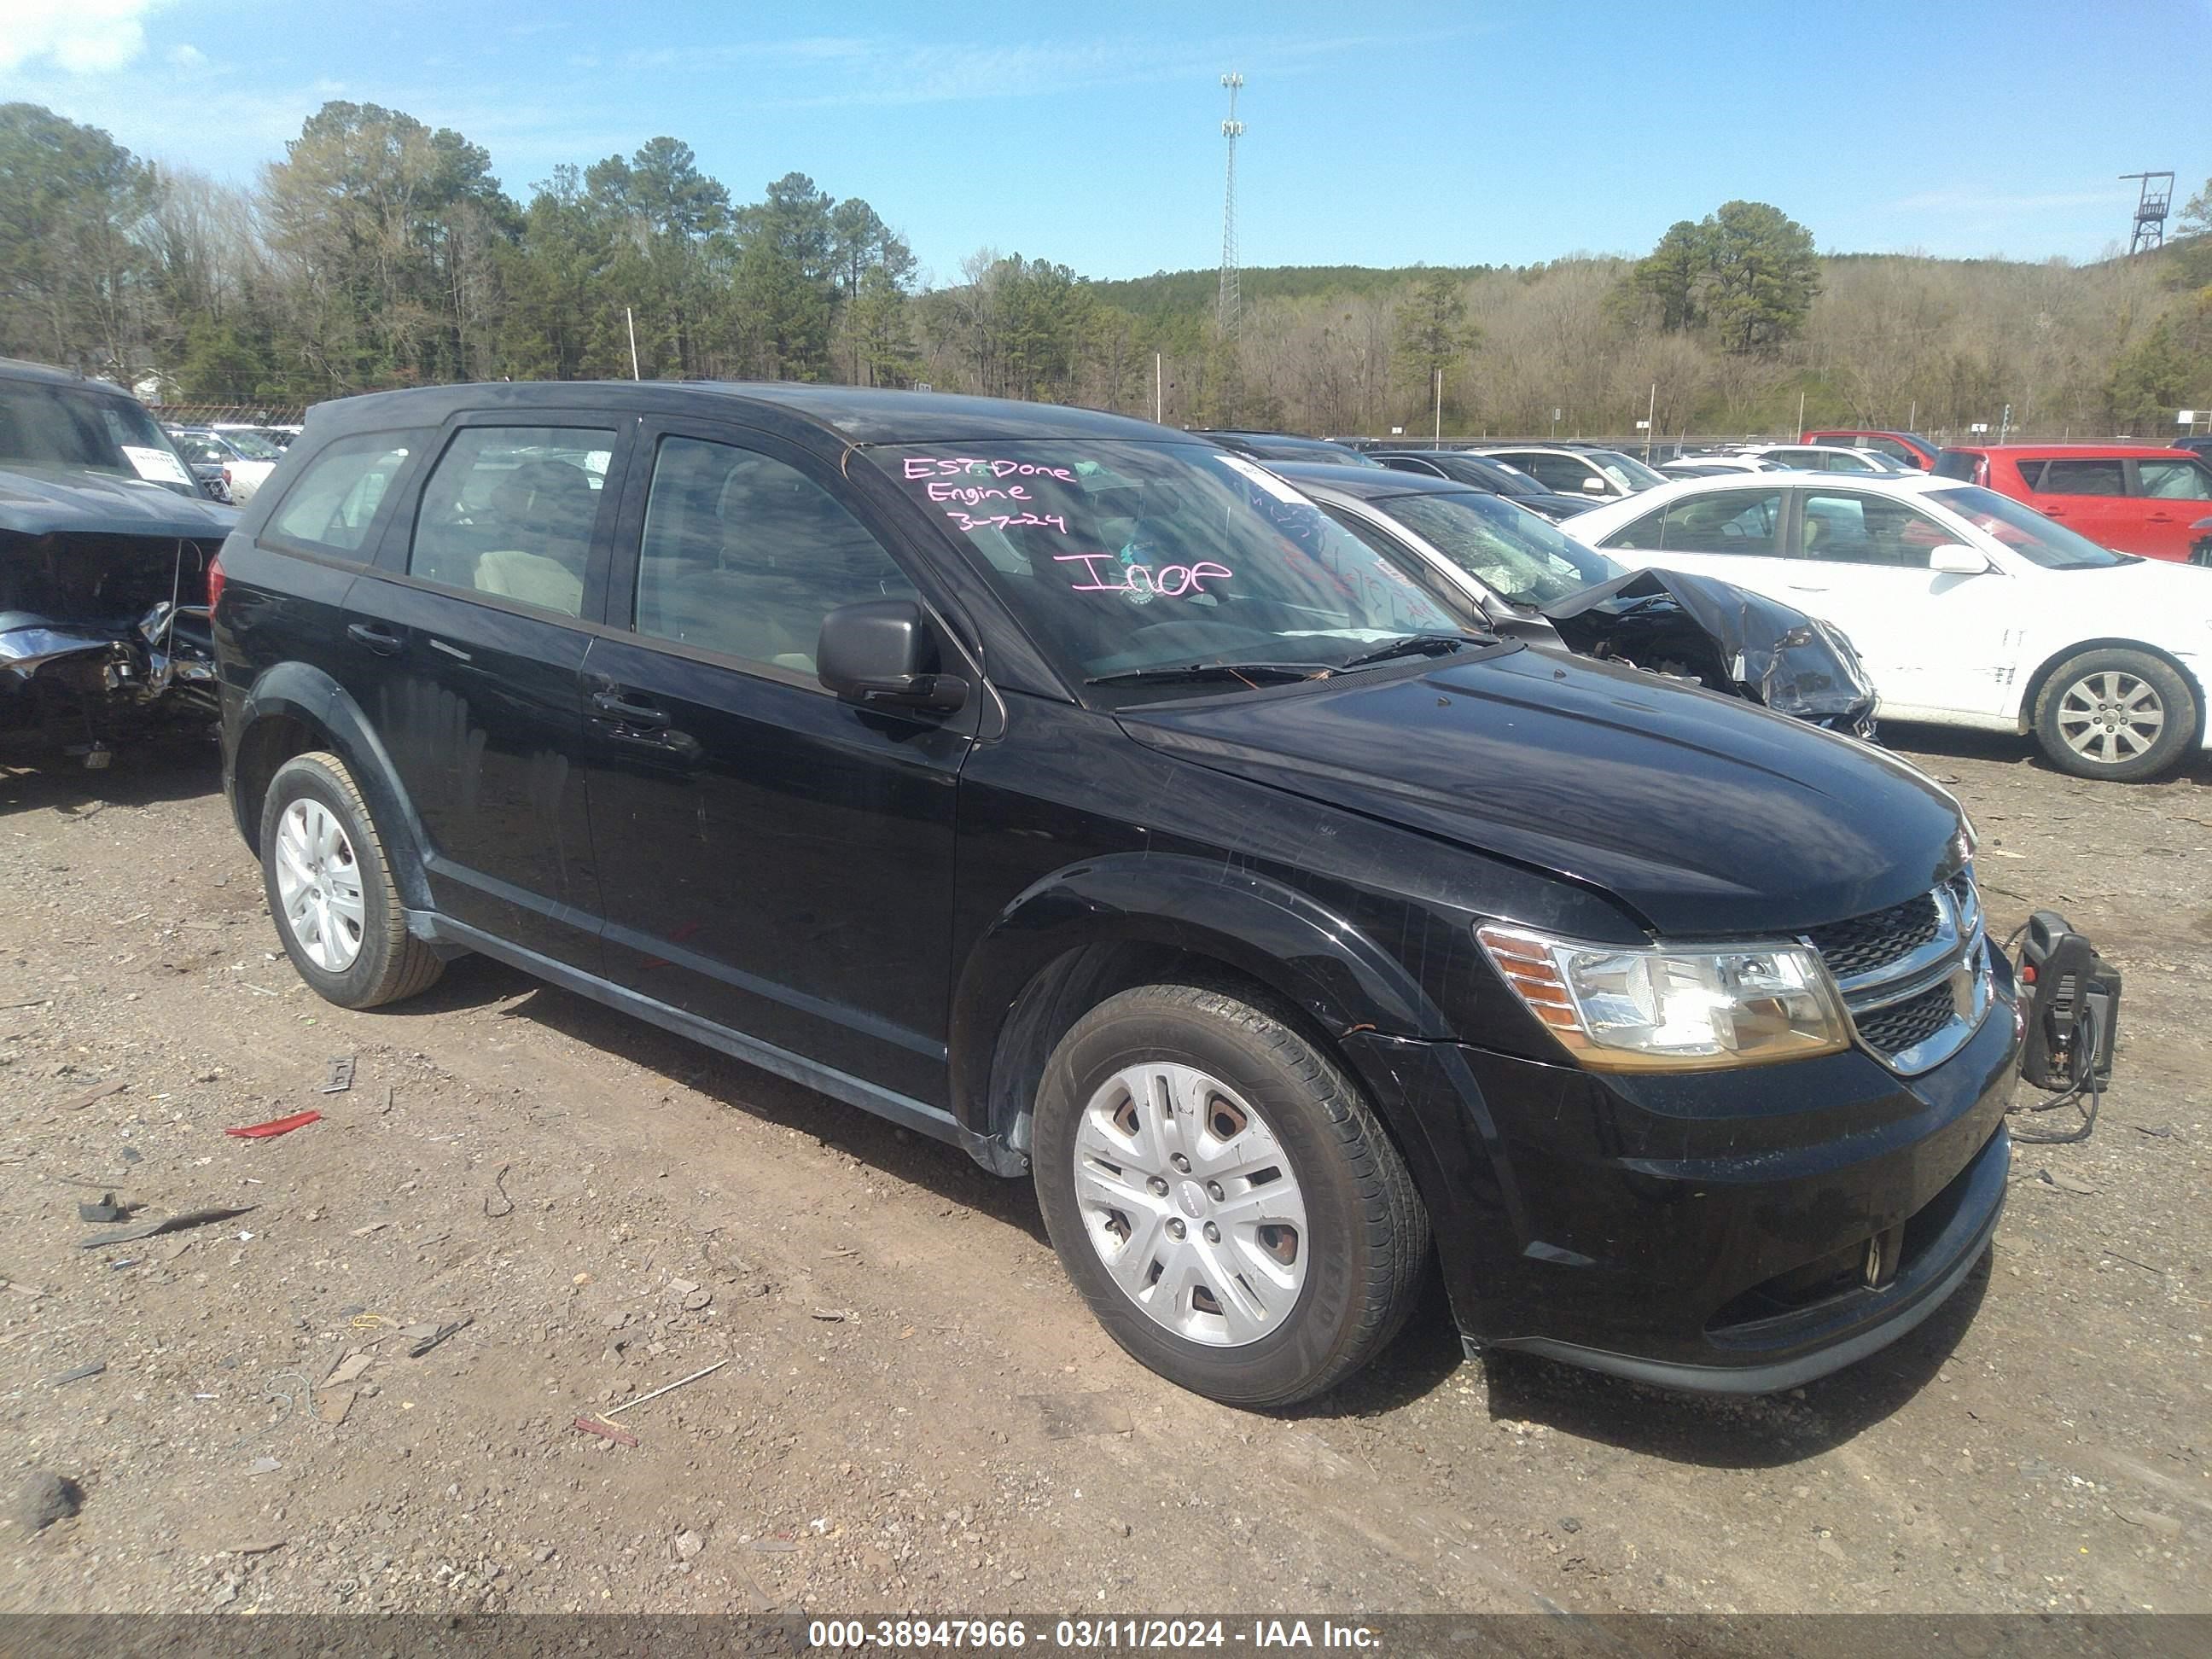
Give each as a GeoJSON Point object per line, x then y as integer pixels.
{"type": "Point", "coordinates": [1454, 132]}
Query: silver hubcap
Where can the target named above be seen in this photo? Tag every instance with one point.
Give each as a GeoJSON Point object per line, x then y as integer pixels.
{"type": "Point", "coordinates": [1191, 1203]}
{"type": "Point", "coordinates": [319, 884]}
{"type": "Point", "coordinates": [2110, 717]}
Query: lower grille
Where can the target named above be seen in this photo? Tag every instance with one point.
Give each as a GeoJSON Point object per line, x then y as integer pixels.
{"type": "Point", "coordinates": [1903, 1025]}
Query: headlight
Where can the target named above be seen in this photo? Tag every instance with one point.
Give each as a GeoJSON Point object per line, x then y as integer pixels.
{"type": "Point", "coordinates": [1660, 1008]}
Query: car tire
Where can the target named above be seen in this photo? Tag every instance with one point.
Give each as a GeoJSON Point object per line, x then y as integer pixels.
{"type": "Point", "coordinates": [1253, 1288]}
{"type": "Point", "coordinates": [2116, 713]}
{"type": "Point", "coordinates": [330, 888]}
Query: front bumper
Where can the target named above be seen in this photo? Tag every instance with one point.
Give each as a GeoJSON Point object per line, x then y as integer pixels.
{"type": "Point", "coordinates": [1712, 1231]}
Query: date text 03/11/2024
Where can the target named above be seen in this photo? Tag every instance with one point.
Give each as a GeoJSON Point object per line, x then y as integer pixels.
{"type": "Point", "coordinates": [1089, 1634]}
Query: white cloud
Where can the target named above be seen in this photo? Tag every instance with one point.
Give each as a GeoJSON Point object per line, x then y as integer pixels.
{"type": "Point", "coordinates": [84, 36]}
{"type": "Point", "coordinates": [188, 57]}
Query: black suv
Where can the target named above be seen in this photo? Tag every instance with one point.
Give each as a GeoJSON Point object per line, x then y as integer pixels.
{"type": "Point", "coordinates": [1073, 790]}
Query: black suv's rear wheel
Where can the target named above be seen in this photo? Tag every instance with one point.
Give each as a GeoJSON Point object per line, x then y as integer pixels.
{"type": "Point", "coordinates": [330, 888]}
{"type": "Point", "coordinates": [1222, 1196]}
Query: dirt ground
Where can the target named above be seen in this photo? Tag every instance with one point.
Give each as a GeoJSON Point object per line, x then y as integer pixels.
{"type": "Point", "coordinates": [914, 1412]}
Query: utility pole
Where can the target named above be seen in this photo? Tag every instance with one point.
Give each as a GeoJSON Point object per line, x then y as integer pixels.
{"type": "Point", "coordinates": [1231, 130]}
{"type": "Point", "coordinates": [1650, 423]}
{"type": "Point", "coordinates": [1800, 417]}
{"type": "Point", "coordinates": [1437, 442]}
{"type": "Point", "coordinates": [1159, 393]}
{"type": "Point", "coordinates": [630, 322]}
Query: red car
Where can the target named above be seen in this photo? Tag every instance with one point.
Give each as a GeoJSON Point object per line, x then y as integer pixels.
{"type": "Point", "coordinates": [2132, 498]}
{"type": "Point", "coordinates": [1906, 448]}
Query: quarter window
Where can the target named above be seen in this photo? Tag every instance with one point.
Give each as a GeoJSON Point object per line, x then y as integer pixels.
{"type": "Point", "coordinates": [509, 510]}
{"type": "Point", "coordinates": [1868, 530]}
{"type": "Point", "coordinates": [1563, 474]}
{"type": "Point", "coordinates": [745, 556]}
{"type": "Point", "coordinates": [2082, 477]}
{"type": "Point", "coordinates": [1722, 521]}
{"type": "Point", "coordinates": [334, 501]}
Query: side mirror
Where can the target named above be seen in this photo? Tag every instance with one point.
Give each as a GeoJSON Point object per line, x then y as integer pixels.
{"type": "Point", "coordinates": [1952, 560]}
{"type": "Point", "coordinates": [879, 653]}
{"type": "Point", "coordinates": [1594, 486]}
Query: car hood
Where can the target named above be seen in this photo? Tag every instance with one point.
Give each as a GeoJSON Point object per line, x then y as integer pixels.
{"type": "Point", "coordinates": [1706, 816]}
{"type": "Point", "coordinates": [42, 500]}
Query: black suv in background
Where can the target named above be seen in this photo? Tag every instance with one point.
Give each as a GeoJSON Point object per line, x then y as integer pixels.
{"type": "Point", "coordinates": [1075, 790]}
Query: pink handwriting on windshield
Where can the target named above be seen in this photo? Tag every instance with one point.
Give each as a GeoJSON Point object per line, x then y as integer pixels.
{"type": "Point", "coordinates": [1172, 581]}
{"type": "Point", "coordinates": [1006, 520]}
{"type": "Point", "coordinates": [957, 466]}
{"type": "Point", "coordinates": [975, 494]}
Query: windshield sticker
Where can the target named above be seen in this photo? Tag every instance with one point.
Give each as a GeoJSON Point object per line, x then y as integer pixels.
{"type": "Point", "coordinates": [1142, 582]}
{"type": "Point", "coordinates": [1252, 473]}
{"type": "Point", "coordinates": [155, 465]}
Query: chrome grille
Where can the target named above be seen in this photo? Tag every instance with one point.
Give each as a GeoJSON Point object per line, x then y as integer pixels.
{"type": "Point", "coordinates": [1915, 977]}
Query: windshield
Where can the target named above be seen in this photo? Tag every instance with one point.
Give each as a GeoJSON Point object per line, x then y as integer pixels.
{"type": "Point", "coordinates": [47, 425]}
{"type": "Point", "coordinates": [251, 444]}
{"type": "Point", "coordinates": [2024, 531]}
{"type": "Point", "coordinates": [1123, 557]}
{"type": "Point", "coordinates": [1628, 473]}
{"type": "Point", "coordinates": [1501, 477]}
{"type": "Point", "coordinates": [1507, 549]}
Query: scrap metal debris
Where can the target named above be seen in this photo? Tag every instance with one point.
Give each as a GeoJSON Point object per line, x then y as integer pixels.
{"type": "Point", "coordinates": [115, 1086]}
{"type": "Point", "coordinates": [107, 1210]}
{"type": "Point", "coordinates": [79, 1374]}
{"type": "Point", "coordinates": [167, 1225]}
{"type": "Point", "coordinates": [423, 1338]}
{"type": "Point", "coordinates": [666, 1388]}
{"type": "Point", "coordinates": [277, 1125]}
{"type": "Point", "coordinates": [341, 1075]}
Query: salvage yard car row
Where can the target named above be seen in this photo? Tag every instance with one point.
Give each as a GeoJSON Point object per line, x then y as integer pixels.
{"type": "Point", "coordinates": [1296, 870]}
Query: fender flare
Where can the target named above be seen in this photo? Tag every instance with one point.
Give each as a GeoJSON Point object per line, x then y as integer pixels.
{"type": "Point", "coordinates": [297, 692]}
{"type": "Point", "coordinates": [1262, 929]}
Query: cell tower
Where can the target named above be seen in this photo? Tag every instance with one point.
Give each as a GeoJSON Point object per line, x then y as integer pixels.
{"type": "Point", "coordinates": [2150, 210]}
{"type": "Point", "coordinates": [1232, 129]}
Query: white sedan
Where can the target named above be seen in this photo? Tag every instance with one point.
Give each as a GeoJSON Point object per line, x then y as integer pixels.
{"type": "Point", "coordinates": [1969, 608]}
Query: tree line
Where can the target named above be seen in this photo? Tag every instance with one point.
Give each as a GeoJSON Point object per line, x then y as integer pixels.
{"type": "Point", "coordinates": [380, 253]}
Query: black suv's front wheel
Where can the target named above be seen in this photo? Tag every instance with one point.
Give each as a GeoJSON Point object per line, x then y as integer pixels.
{"type": "Point", "coordinates": [1222, 1195]}
{"type": "Point", "coordinates": [330, 888]}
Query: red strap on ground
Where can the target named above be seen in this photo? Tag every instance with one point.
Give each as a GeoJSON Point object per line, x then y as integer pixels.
{"type": "Point", "coordinates": [606, 1430]}
{"type": "Point", "coordinates": [276, 1126]}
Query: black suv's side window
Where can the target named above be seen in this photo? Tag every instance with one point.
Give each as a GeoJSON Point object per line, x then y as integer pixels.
{"type": "Point", "coordinates": [333, 501]}
{"type": "Point", "coordinates": [509, 509]}
{"type": "Point", "coordinates": [745, 555]}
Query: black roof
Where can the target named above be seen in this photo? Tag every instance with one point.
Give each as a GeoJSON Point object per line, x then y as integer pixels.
{"type": "Point", "coordinates": [856, 414]}
{"type": "Point", "coordinates": [16, 368]}
{"type": "Point", "coordinates": [1370, 484]}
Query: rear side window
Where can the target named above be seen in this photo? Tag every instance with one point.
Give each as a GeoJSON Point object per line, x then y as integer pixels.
{"type": "Point", "coordinates": [2030, 473]}
{"type": "Point", "coordinates": [2181, 479]}
{"type": "Point", "coordinates": [1723, 521]}
{"type": "Point", "coordinates": [2085, 476]}
{"type": "Point", "coordinates": [333, 501]}
{"type": "Point", "coordinates": [509, 510]}
{"type": "Point", "coordinates": [745, 555]}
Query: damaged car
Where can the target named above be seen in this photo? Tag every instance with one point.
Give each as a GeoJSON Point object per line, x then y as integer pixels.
{"type": "Point", "coordinates": [1524, 577]}
{"type": "Point", "coordinates": [106, 544]}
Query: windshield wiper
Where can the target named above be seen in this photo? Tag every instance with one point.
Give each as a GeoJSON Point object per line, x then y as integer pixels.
{"type": "Point", "coordinates": [1415, 645]}
{"type": "Point", "coordinates": [1245, 671]}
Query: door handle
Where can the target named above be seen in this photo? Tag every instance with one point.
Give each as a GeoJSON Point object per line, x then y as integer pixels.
{"type": "Point", "coordinates": [2053, 511]}
{"type": "Point", "coordinates": [2159, 518]}
{"type": "Point", "coordinates": [1801, 587]}
{"type": "Point", "coordinates": [629, 712]}
{"type": "Point", "coordinates": [384, 641]}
